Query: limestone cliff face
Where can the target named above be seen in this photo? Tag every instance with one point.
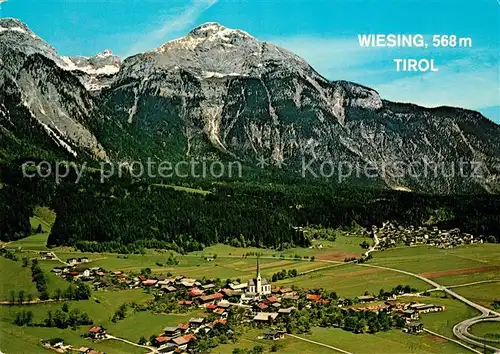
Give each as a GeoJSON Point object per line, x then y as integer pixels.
{"type": "Point", "coordinates": [34, 79]}
{"type": "Point", "coordinates": [219, 92]}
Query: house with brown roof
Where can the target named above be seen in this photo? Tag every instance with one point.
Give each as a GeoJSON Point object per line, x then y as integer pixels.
{"type": "Point", "coordinates": [182, 341]}
{"type": "Point", "coordinates": [196, 322]}
{"type": "Point", "coordinates": [286, 311]}
{"type": "Point", "coordinates": [265, 316]}
{"type": "Point", "coordinates": [213, 297]}
{"type": "Point", "coordinates": [168, 288]}
{"type": "Point", "coordinates": [97, 333]}
{"type": "Point", "coordinates": [365, 298]}
{"type": "Point", "coordinates": [185, 302]}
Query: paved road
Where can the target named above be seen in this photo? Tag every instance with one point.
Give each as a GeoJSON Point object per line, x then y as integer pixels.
{"type": "Point", "coordinates": [151, 349]}
{"type": "Point", "coordinates": [460, 330]}
{"type": "Point", "coordinates": [474, 283]}
{"type": "Point", "coordinates": [318, 343]}
{"type": "Point", "coordinates": [372, 248]}
{"type": "Point", "coordinates": [59, 259]}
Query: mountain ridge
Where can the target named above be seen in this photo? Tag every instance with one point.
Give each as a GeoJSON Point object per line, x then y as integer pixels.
{"type": "Point", "coordinates": [219, 93]}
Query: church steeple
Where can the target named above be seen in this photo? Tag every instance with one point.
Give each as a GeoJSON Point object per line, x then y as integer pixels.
{"type": "Point", "coordinates": [258, 265]}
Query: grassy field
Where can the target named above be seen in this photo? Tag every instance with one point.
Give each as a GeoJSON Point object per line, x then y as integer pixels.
{"type": "Point", "coordinates": [13, 277]}
{"type": "Point", "coordinates": [489, 330]}
{"type": "Point", "coordinates": [132, 327]}
{"type": "Point", "coordinates": [393, 341]}
{"type": "Point", "coordinates": [450, 280]}
{"type": "Point", "coordinates": [351, 280]}
{"type": "Point", "coordinates": [443, 322]}
{"type": "Point", "coordinates": [483, 294]}
{"type": "Point", "coordinates": [336, 250]}
{"type": "Point", "coordinates": [437, 263]}
{"type": "Point", "coordinates": [328, 271]}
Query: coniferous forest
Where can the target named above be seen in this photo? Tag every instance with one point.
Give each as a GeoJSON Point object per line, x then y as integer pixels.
{"type": "Point", "coordinates": [126, 215]}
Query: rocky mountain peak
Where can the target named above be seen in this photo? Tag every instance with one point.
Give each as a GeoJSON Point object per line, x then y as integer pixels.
{"type": "Point", "coordinates": [214, 31]}
{"type": "Point", "coordinates": [13, 24]}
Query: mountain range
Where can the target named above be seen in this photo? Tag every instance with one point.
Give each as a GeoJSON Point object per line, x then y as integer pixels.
{"type": "Point", "coordinates": [221, 94]}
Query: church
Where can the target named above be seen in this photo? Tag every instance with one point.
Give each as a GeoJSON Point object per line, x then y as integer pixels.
{"type": "Point", "coordinates": [259, 285]}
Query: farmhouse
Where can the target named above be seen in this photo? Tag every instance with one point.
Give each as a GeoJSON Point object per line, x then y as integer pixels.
{"type": "Point", "coordinates": [265, 316]}
{"type": "Point", "coordinates": [171, 331]}
{"type": "Point", "coordinates": [149, 282]}
{"type": "Point", "coordinates": [237, 286]}
{"type": "Point", "coordinates": [286, 311]}
{"type": "Point", "coordinates": [426, 308]}
{"type": "Point", "coordinates": [274, 335]}
{"type": "Point", "coordinates": [182, 342]}
{"type": "Point", "coordinates": [413, 327]}
{"type": "Point", "coordinates": [97, 333]}
{"type": "Point", "coordinates": [366, 298]}
{"type": "Point", "coordinates": [47, 255]}
{"type": "Point", "coordinates": [196, 322]}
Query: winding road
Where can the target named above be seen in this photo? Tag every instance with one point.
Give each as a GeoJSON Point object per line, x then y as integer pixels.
{"type": "Point", "coordinates": [151, 349]}
{"type": "Point", "coordinates": [460, 330]}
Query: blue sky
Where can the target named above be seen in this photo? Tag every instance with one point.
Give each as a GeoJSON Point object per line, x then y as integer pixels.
{"type": "Point", "coordinates": [324, 32]}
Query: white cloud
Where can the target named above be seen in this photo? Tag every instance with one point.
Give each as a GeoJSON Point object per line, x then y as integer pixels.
{"type": "Point", "coordinates": [182, 20]}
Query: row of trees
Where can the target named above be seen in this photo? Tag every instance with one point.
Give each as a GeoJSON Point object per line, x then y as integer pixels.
{"type": "Point", "coordinates": [284, 274]}
{"type": "Point", "coordinates": [39, 279]}
{"type": "Point", "coordinates": [331, 316]}
{"type": "Point", "coordinates": [8, 254]}
{"type": "Point", "coordinates": [61, 318]}
{"type": "Point", "coordinates": [398, 290]}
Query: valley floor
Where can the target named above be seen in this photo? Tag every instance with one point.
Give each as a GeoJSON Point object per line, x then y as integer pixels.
{"type": "Point", "coordinates": [476, 264]}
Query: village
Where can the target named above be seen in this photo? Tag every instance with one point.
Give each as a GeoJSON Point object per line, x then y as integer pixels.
{"type": "Point", "coordinates": [390, 235]}
{"type": "Point", "coordinates": [256, 302]}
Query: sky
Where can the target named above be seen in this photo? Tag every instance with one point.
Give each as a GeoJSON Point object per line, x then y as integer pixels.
{"type": "Point", "coordinates": [324, 32]}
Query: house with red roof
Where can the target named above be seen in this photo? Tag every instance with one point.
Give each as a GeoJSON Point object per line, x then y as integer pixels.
{"type": "Point", "coordinates": [149, 282]}
{"type": "Point", "coordinates": [183, 327]}
{"type": "Point", "coordinates": [185, 302]}
{"type": "Point", "coordinates": [211, 307]}
{"type": "Point", "coordinates": [273, 299]}
{"type": "Point", "coordinates": [97, 333]}
{"type": "Point", "coordinates": [195, 292]}
{"type": "Point", "coordinates": [262, 306]}
{"type": "Point", "coordinates": [219, 311]}
{"type": "Point", "coordinates": [162, 339]}
{"type": "Point", "coordinates": [313, 297]}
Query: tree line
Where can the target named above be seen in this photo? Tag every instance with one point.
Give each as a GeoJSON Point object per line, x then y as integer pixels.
{"type": "Point", "coordinates": [129, 216]}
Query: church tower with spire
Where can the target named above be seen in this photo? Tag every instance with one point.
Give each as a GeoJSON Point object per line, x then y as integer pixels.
{"type": "Point", "coordinates": [258, 280]}
{"type": "Point", "coordinates": [259, 286]}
